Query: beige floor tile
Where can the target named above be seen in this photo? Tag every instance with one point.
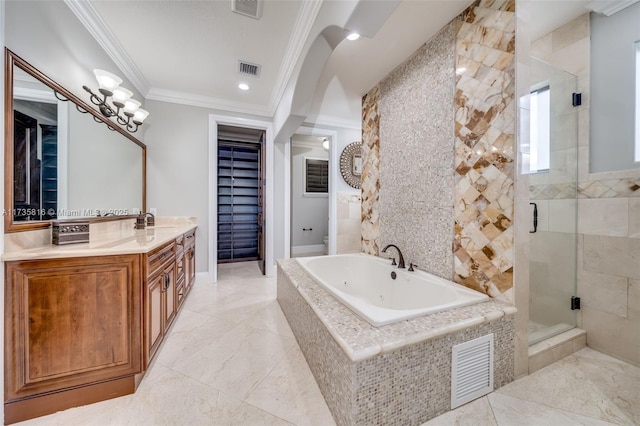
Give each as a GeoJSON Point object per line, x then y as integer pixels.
{"type": "Point", "coordinates": [564, 387]}
{"type": "Point", "coordinates": [290, 392]}
{"type": "Point", "coordinates": [237, 361]}
{"type": "Point", "coordinates": [475, 413]}
{"type": "Point", "coordinates": [512, 411]}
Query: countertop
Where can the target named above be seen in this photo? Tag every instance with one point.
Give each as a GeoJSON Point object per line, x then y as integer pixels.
{"type": "Point", "coordinates": [124, 242]}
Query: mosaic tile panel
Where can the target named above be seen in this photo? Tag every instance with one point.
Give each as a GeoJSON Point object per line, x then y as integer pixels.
{"type": "Point", "coordinates": [417, 156]}
{"type": "Point", "coordinates": [407, 385]}
{"type": "Point", "coordinates": [609, 188]}
{"type": "Point", "coordinates": [485, 111]}
{"type": "Point", "coordinates": [370, 188]}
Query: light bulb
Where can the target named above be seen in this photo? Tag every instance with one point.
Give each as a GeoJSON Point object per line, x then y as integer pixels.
{"type": "Point", "coordinates": [106, 80]}
{"type": "Point", "coordinates": [131, 106]}
{"type": "Point", "coordinates": [243, 86]}
{"type": "Point", "coordinates": [121, 96]}
{"type": "Point", "coordinates": [325, 143]}
{"type": "Point", "coordinates": [353, 36]}
{"type": "Point", "coordinates": [140, 115]}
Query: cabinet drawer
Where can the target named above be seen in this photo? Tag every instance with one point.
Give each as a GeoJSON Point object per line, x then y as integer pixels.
{"type": "Point", "coordinates": [158, 257]}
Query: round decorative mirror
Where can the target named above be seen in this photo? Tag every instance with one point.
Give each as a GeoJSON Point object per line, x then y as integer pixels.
{"type": "Point", "coordinates": [351, 164]}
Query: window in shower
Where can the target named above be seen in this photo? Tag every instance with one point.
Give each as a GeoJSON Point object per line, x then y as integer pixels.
{"type": "Point", "coordinates": [539, 140]}
{"type": "Point", "coordinates": [637, 150]}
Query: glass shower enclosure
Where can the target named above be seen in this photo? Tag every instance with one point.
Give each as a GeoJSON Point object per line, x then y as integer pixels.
{"type": "Point", "coordinates": [553, 173]}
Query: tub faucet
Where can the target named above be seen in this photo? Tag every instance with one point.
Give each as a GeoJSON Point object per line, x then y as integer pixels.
{"type": "Point", "coordinates": [400, 257]}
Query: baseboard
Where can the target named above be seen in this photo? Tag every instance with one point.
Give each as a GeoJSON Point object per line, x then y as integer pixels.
{"type": "Point", "coordinates": [202, 278]}
{"type": "Point", "coordinates": [299, 250]}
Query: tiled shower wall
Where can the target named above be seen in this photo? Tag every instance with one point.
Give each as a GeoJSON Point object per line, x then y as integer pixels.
{"type": "Point", "coordinates": [608, 217]}
{"type": "Point", "coordinates": [438, 180]}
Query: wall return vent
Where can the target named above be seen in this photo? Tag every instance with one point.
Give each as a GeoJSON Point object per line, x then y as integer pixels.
{"type": "Point", "coordinates": [471, 370]}
{"type": "Point", "coordinates": [247, 68]}
{"type": "Point", "coordinates": [250, 8]}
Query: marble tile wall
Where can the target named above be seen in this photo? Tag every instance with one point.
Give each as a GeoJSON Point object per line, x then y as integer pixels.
{"type": "Point", "coordinates": [370, 187]}
{"type": "Point", "coordinates": [608, 216]}
{"type": "Point", "coordinates": [485, 114]}
{"type": "Point", "coordinates": [348, 221]}
{"type": "Point", "coordinates": [418, 155]}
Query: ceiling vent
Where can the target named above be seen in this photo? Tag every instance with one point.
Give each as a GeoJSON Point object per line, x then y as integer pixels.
{"type": "Point", "coordinates": [247, 68]}
{"type": "Point", "coordinates": [250, 8]}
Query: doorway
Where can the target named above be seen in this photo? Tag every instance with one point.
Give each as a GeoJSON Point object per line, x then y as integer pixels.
{"type": "Point", "coordinates": [309, 194]}
{"type": "Point", "coordinates": [240, 198]}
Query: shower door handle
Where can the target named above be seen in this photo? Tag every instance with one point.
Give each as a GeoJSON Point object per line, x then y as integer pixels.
{"type": "Point", "coordinates": [535, 218]}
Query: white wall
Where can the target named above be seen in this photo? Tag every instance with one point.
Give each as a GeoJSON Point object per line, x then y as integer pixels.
{"type": "Point", "coordinates": [307, 211]}
{"type": "Point", "coordinates": [178, 165]}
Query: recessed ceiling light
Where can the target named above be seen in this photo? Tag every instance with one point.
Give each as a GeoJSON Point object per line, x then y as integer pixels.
{"type": "Point", "coordinates": [243, 86]}
{"type": "Point", "coordinates": [353, 36]}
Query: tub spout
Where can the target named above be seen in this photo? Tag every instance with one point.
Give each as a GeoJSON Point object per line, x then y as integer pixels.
{"type": "Point", "coordinates": [400, 257]}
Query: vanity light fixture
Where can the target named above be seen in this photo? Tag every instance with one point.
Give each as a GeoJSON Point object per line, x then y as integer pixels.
{"type": "Point", "coordinates": [353, 36]}
{"type": "Point", "coordinates": [109, 87]}
{"type": "Point", "coordinates": [325, 143]}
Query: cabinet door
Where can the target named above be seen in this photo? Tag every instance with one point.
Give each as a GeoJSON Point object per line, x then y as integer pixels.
{"type": "Point", "coordinates": [190, 270]}
{"type": "Point", "coordinates": [70, 322]}
{"type": "Point", "coordinates": [154, 316]}
{"type": "Point", "coordinates": [169, 296]}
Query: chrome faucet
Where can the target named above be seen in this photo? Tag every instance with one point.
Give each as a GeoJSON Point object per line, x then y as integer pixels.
{"type": "Point", "coordinates": [400, 257]}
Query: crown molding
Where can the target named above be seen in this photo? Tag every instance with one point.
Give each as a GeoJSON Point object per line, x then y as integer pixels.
{"type": "Point", "coordinates": [301, 30]}
{"type": "Point", "coordinates": [92, 21]}
{"type": "Point", "coordinates": [190, 99]}
{"type": "Point", "coordinates": [609, 7]}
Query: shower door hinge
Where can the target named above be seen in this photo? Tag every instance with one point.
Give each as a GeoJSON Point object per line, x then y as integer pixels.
{"type": "Point", "coordinates": [576, 99]}
{"type": "Point", "coordinates": [575, 303]}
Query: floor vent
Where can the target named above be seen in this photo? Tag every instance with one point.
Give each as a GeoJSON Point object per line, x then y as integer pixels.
{"type": "Point", "coordinates": [250, 8]}
{"type": "Point", "coordinates": [471, 370]}
{"type": "Point", "coordinates": [248, 68]}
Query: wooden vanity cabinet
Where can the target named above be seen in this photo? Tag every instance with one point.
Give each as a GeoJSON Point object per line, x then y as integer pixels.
{"type": "Point", "coordinates": [84, 329]}
{"type": "Point", "coordinates": [160, 298]}
{"type": "Point", "coordinates": [190, 259]}
{"type": "Point", "coordinates": [72, 332]}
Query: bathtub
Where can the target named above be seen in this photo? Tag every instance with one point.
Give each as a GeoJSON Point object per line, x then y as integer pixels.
{"type": "Point", "coordinates": [364, 284]}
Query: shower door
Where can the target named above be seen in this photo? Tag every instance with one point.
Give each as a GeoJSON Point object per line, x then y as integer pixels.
{"type": "Point", "coordinates": [553, 166]}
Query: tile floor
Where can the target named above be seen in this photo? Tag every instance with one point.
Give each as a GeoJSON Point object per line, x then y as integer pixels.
{"type": "Point", "coordinates": [231, 359]}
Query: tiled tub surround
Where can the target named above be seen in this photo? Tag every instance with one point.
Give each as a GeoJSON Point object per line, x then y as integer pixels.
{"type": "Point", "coordinates": [396, 374]}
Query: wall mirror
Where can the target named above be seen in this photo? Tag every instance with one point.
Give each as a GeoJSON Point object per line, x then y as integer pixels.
{"type": "Point", "coordinates": [351, 164]}
{"type": "Point", "coordinates": [63, 159]}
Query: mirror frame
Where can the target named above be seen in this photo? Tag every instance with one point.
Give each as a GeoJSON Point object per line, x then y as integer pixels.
{"type": "Point", "coordinates": [11, 60]}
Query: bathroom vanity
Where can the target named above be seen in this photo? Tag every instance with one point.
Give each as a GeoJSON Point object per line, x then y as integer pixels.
{"type": "Point", "coordinates": [83, 322]}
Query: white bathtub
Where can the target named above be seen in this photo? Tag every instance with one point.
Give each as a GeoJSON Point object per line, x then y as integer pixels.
{"type": "Point", "coordinates": [364, 284]}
